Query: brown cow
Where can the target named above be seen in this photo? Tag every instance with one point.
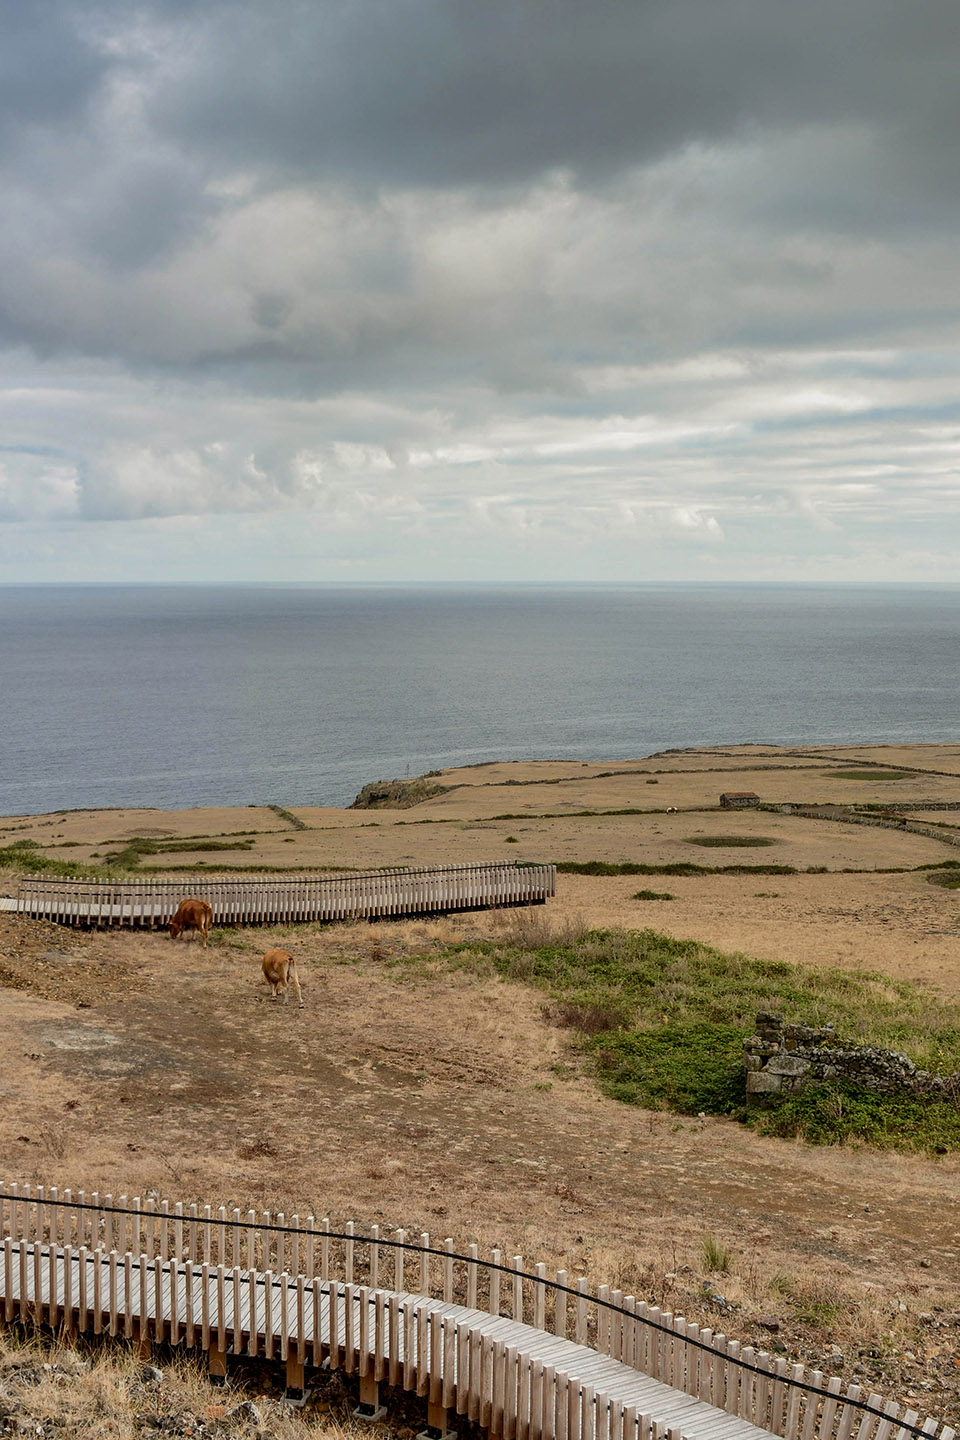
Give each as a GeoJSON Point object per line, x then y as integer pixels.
{"type": "Point", "coordinates": [192, 915]}
{"type": "Point", "coordinates": [279, 971]}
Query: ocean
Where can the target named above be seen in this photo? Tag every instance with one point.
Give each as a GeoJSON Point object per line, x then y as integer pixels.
{"type": "Point", "coordinates": [167, 696]}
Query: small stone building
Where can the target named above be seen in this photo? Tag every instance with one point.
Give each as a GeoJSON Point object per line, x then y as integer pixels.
{"type": "Point", "coordinates": [739, 800]}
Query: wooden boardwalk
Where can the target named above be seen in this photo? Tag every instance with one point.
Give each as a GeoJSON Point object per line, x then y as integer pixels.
{"type": "Point", "coordinates": [526, 1355]}
{"type": "Point", "coordinates": [275, 900]}
{"type": "Point", "coordinates": [515, 1380]}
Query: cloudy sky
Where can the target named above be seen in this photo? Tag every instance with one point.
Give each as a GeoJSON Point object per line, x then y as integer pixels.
{"type": "Point", "coordinates": [479, 289]}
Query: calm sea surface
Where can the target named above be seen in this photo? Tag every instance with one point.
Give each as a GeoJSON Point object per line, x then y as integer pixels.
{"type": "Point", "coordinates": [186, 695]}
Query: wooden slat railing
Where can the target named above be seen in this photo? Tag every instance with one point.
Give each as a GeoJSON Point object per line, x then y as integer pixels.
{"type": "Point", "coordinates": [256, 900]}
{"type": "Point", "coordinates": [388, 1266]}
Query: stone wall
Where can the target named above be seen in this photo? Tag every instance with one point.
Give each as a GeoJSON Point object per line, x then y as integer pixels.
{"type": "Point", "coordinates": [881, 820]}
{"type": "Point", "coordinates": [782, 1058]}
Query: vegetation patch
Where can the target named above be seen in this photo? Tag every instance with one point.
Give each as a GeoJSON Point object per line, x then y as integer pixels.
{"type": "Point", "coordinates": [129, 857]}
{"type": "Point", "coordinates": [661, 1022]}
{"type": "Point", "coordinates": [693, 1068]}
{"type": "Point", "coordinates": [23, 856]}
{"type": "Point", "coordinates": [291, 819]}
{"type": "Point", "coordinates": [652, 895]}
{"type": "Point", "coordinates": [832, 1111]}
{"type": "Point", "coordinates": [729, 842]}
{"type": "Point", "coordinates": [714, 1256]}
{"type": "Point", "coordinates": [678, 867]}
{"type": "Point", "coordinates": [946, 879]}
{"type": "Point", "coordinates": [867, 775]}
{"type": "Point", "coordinates": [250, 869]}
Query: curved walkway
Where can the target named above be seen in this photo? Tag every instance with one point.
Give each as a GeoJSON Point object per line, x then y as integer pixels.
{"type": "Point", "coordinates": [513, 1379]}
{"type": "Point", "coordinates": [291, 899]}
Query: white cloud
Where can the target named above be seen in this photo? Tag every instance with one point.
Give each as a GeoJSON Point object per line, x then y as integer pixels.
{"type": "Point", "coordinates": [524, 331]}
{"type": "Point", "coordinates": [35, 487]}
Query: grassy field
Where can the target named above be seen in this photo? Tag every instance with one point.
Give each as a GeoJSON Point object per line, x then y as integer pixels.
{"type": "Point", "coordinates": [661, 1022]}
{"type": "Point", "coordinates": [558, 1083]}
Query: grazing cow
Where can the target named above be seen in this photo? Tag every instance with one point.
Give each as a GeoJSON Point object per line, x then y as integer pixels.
{"type": "Point", "coordinates": [279, 971]}
{"type": "Point", "coordinates": [192, 915]}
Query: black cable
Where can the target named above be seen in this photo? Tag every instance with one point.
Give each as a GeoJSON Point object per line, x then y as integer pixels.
{"type": "Point", "coordinates": [298, 1230]}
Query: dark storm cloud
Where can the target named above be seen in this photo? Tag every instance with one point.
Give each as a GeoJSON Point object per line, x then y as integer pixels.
{"type": "Point", "coordinates": [50, 66]}
{"type": "Point", "coordinates": [453, 92]}
{"type": "Point", "coordinates": [531, 269]}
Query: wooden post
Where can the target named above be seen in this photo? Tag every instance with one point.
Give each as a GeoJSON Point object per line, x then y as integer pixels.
{"type": "Point", "coordinates": [144, 1346]}
{"type": "Point", "coordinates": [603, 1320]}
{"type": "Point", "coordinates": [436, 1427]}
{"type": "Point", "coordinates": [24, 1283]}
{"type": "Point", "coordinates": [473, 1252]}
{"type": "Point", "coordinates": [400, 1236]}
{"type": "Point", "coordinates": [582, 1297]}
{"type": "Point", "coordinates": [253, 1327]}
{"type": "Point", "coordinates": [52, 1255]}
{"type": "Point", "coordinates": [268, 1331]}
{"type": "Point", "coordinates": [113, 1293]}
{"type": "Point", "coordinates": [237, 1301]}
{"type": "Point", "coordinates": [284, 1315]}
{"type": "Point", "coordinates": [424, 1263]}
{"type": "Point", "coordinates": [294, 1369]}
{"type": "Point", "coordinates": [498, 1385]}
{"type": "Point", "coordinates": [369, 1408]}
{"type": "Point", "coordinates": [540, 1299]}
{"type": "Point", "coordinates": [189, 1291]}
{"type": "Point", "coordinates": [494, 1297]}
{"type": "Point", "coordinates": [82, 1288]}
{"type": "Point", "coordinates": [38, 1284]}
{"type": "Point", "coordinates": [448, 1270]}
{"type": "Point", "coordinates": [217, 1365]}
{"type": "Point", "coordinates": [394, 1332]}
{"type": "Point", "coordinates": [476, 1377]}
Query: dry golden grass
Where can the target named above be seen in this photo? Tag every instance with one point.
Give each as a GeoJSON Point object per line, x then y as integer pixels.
{"type": "Point", "coordinates": [451, 1103]}
{"type": "Point", "coordinates": [92, 1392]}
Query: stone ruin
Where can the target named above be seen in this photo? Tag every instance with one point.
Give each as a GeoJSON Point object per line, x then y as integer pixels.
{"type": "Point", "coordinates": [781, 1058]}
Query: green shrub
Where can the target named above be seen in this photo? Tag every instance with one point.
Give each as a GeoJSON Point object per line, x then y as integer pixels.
{"type": "Point", "coordinates": [834, 1111]}
{"type": "Point", "coordinates": [661, 1022]}
{"type": "Point", "coordinates": [688, 1068]}
{"type": "Point", "coordinates": [652, 895]}
{"type": "Point", "coordinates": [729, 842]}
{"type": "Point", "coordinates": [714, 1256]}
